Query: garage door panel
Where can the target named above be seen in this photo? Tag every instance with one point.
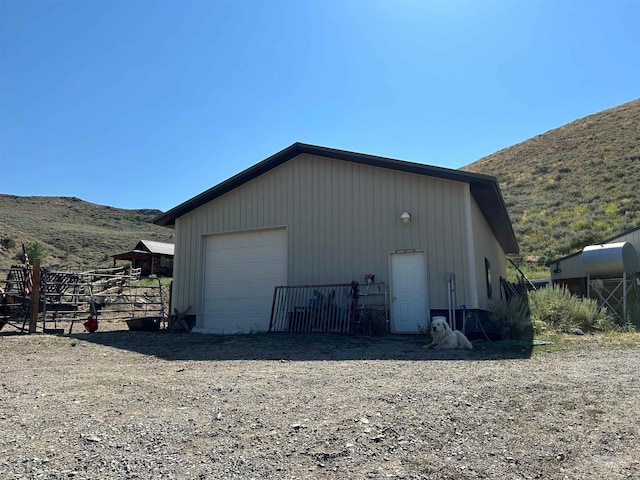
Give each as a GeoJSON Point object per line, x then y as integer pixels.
{"type": "Point", "coordinates": [259, 277]}
{"type": "Point", "coordinates": [257, 254]}
{"type": "Point", "coordinates": [237, 289]}
{"type": "Point", "coordinates": [250, 239]}
{"type": "Point", "coordinates": [247, 272]}
{"type": "Point", "coordinates": [241, 271]}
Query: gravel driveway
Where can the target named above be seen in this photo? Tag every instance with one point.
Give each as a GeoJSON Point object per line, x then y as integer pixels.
{"type": "Point", "coordinates": [139, 405]}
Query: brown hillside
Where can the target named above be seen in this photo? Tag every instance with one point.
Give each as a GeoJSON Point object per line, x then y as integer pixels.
{"type": "Point", "coordinates": [574, 185]}
{"type": "Point", "coordinates": [73, 232]}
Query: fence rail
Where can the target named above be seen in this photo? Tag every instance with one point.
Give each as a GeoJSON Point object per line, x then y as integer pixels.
{"type": "Point", "coordinates": [107, 294]}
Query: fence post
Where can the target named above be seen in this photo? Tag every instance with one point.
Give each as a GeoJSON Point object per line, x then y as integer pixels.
{"type": "Point", "coordinates": [35, 296]}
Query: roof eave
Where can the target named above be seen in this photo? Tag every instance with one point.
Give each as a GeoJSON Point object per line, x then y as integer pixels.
{"type": "Point", "coordinates": [491, 203]}
{"type": "Point", "coordinates": [484, 187]}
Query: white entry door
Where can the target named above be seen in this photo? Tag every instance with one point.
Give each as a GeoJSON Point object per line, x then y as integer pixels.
{"type": "Point", "coordinates": [409, 310]}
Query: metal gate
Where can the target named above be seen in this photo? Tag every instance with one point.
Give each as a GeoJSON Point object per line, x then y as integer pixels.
{"type": "Point", "coordinates": [338, 308]}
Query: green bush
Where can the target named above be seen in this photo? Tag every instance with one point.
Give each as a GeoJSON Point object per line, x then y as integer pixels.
{"type": "Point", "coordinates": [551, 309]}
{"type": "Point", "coordinates": [512, 318]}
{"type": "Point", "coordinates": [8, 243]}
{"type": "Point", "coordinates": [33, 249]}
{"type": "Point", "coordinates": [556, 309]}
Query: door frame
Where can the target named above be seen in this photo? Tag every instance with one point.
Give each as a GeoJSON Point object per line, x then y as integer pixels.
{"type": "Point", "coordinates": [427, 312]}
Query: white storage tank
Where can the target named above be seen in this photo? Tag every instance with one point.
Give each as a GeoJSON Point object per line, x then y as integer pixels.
{"type": "Point", "coordinates": [610, 260]}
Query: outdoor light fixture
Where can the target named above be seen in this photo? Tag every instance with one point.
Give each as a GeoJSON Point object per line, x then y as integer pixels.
{"type": "Point", "coordinates": [405, 217]}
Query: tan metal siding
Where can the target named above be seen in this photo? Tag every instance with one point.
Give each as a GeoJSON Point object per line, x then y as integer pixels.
{"type": "Point", "coordinates": [569, 268]}
{"type": "Point", "coordinates": [486, 246]}
{"type": "Point", "coordinates": [342, 219]}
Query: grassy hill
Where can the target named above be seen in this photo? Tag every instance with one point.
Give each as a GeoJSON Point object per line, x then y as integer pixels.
{"type": "Point", "coordinates": [72, 232]}
{"type": "Point", "coordinates": [572, 186]}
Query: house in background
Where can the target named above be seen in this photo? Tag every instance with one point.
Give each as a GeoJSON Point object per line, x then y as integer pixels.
{"type": "Point", "coordinates": [315, 215]}
{"type": "Point", "coordinates": [153, 258]}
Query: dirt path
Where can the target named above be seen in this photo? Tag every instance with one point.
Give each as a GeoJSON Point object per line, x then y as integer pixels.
{"type": "Point", "coordinates": [182, 406]}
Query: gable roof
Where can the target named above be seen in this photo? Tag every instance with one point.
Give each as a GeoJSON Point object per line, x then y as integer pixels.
{"type": "Point", "coordinates": [484, 188]}
{"type": "Point", "coordinates": [147, 247]}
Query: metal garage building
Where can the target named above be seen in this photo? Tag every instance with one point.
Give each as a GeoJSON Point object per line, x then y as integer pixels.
{"type": "Point", "coordinates": [315, 215]}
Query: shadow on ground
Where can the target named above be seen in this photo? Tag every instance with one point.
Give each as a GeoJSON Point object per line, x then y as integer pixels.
{"type": "Point", "coordinates": [297, 347]}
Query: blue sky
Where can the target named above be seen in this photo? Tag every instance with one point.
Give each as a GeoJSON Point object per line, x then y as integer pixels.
{"type": "Point", "coordinates": [146, 103]}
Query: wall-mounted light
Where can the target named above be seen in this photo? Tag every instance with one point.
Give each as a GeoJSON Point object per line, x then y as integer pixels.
{"type": "Point", "coordinates": [405, 217]}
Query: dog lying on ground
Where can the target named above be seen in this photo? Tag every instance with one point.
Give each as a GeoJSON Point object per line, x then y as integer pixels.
{"type": "Point", "coordinates": [444, 338]}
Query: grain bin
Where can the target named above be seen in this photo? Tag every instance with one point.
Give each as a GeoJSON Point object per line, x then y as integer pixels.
{"type": "Point", "coordinates": [610, 260]}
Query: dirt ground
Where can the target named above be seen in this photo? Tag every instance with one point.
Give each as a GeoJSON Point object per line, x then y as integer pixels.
{"type": "Point", "coordinates": [142, 405]}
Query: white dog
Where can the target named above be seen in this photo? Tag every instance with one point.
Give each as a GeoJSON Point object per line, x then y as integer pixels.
{"type": "Point", "coordinates": [445, 338]}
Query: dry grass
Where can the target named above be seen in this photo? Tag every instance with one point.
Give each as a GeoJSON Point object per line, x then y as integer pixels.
{"type": "Point", "coordinates": [572, 186]}
{"type": "Point", "coordinates": [71, 231]}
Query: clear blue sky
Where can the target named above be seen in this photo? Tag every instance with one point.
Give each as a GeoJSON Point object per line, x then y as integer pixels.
{"type": "Point", "coordinates": [146, 103]}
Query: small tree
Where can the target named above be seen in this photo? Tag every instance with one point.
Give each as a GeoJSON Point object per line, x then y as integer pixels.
{"type": "Point", "coordinates": [33, 250]}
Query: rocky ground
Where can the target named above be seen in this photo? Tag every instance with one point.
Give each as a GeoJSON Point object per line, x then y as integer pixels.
{"type": "Point", "coordinates": [139, 405]}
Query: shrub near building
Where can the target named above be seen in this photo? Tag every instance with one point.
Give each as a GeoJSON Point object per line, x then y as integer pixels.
{"type": "Point", "coordinates": [557, 310]}
{"type": "Point", "coordinates": [551, 310]}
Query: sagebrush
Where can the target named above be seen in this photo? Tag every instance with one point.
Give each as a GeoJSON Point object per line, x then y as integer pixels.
{"type": "Point", "coordinates": [555, 308]}
{"type": "Point", "coordinates": [552, 309]}
{"type": "Point", "coordinates": [512, 317]}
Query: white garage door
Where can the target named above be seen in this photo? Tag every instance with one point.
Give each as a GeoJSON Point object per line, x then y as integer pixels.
{"type": "Point", "coordinates": [241, 271]}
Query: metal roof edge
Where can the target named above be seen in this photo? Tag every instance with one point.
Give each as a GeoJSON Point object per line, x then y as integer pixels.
{"type": "Point", "coordinates": [478, 182]}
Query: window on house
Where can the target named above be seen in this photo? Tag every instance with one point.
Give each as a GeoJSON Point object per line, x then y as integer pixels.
{"type": "Point", "coordinates": [487, 271]}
